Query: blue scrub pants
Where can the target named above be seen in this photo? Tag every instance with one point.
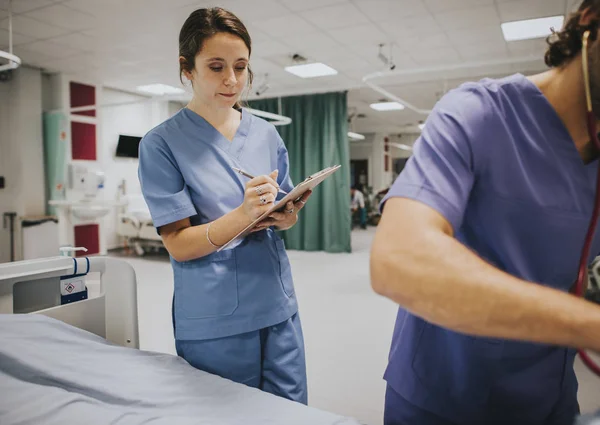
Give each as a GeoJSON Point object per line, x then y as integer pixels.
{"type": "Point", "coordinates": [398, 411]}
{"type": "Point", "coordinates": [271, 359]}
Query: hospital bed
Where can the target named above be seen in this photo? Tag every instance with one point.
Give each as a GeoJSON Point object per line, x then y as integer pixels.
{"type": "Point", "coordinates": [68, 359]}
{"type": "Point", "coordinates": [135, 225]}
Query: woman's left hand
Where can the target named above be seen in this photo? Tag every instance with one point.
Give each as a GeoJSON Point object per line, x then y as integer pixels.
{"type": "Point", "coordinates": [285, 219]}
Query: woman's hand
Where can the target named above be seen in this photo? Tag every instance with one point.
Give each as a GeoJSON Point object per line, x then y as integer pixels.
{"type": "Point", "coordinates": [260, 194]}
{"type": "Point", "coordinates": [287, 218]}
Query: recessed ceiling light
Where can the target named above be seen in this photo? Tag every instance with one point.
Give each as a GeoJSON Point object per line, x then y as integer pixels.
{"type": "Point", "coordinates": [531, 28]}
{"type": "Point", "coordinates": [160, 89]}
{"type": "Point", "coordinates": [355, 136]}
{"type": "Point", "coordinates": [311, 70]}
{"type": "Point", "coordinates": [387, 106]}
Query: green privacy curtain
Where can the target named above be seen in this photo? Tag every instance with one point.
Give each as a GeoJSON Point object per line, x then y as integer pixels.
{"type": "Point", "coordinates": [316, 139]}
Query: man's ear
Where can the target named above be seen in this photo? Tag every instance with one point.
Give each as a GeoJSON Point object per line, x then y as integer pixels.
{"type": "Point", "coordinates": [588, 17]}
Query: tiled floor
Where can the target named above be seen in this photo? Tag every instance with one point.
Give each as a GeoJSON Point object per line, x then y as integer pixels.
{"type": "Point", "coordinates": [347, 328]}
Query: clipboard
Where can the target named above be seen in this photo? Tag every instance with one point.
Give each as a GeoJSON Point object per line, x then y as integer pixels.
{"type": "Point", "coordinates": [309, 183]}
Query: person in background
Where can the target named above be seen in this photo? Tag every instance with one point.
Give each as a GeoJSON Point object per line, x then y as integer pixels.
{"type": "Point", "coordinates": [235, 311]}
{"type": "Point", "coordinates": [358, 206]}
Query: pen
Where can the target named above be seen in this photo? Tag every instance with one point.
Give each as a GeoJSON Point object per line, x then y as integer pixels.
{"type": "Point", "coordinates": [250, 176]}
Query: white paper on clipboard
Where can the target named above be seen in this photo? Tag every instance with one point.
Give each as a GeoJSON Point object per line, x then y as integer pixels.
{"type": "Point", "coordinates": [308, 184]}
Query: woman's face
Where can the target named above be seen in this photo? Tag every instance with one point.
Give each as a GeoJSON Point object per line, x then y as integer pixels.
{"type": "Point", "coordinates": [220, 71]}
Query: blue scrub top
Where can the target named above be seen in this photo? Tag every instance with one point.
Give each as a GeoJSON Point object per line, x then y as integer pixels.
{"type": "Point", "coordinates": [185, 170]}
{"type": "Point", "coordinates": [497, 162]}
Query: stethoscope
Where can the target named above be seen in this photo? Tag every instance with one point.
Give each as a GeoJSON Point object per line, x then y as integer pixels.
{"type": "Point", "coordinates": [580, 286]}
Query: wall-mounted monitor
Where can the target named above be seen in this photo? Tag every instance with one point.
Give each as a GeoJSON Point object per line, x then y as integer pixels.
{"type": "Point", "coordinates": [128, 146]}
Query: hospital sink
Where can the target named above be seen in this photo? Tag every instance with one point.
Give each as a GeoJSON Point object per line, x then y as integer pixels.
{"type": "Point", "coordinates": [86, 210]}
{"type": "Point", "coordinates": [89, 212]}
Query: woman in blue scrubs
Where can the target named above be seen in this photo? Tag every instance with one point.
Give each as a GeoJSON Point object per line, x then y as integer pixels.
{"type": "Point", "coordinates": [235, 312]}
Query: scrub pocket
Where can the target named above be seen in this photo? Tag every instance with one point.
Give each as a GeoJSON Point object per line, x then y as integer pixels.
{"type": "Point", "coordinates": [456, 365]}
{"type": "Point", "coordinates": [209, 286]}
{"type": "Point", "coordinates": [285, 269]}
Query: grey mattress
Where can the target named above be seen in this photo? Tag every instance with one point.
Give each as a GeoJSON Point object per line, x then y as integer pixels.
{"type": "Point", "coordinates": [53, 373]}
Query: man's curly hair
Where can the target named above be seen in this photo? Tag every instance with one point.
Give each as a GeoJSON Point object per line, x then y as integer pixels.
{"type": "Point", "coordinates": [564, 45]}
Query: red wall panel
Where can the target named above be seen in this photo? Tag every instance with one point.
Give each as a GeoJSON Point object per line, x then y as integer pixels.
{"type": "Point", "coordinates": [88, 236]}
{"type": "Point", "coordinates": [82, 95]}
{"type": "Point", "coordinates": [83, 141]}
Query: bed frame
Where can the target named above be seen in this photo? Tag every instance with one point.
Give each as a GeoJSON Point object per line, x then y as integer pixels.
{"type": "Point", "coordinates": [33, 287]}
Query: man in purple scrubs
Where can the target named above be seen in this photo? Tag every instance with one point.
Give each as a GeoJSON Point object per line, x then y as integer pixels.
{"type": "Point", "coordinates": [479, 243]}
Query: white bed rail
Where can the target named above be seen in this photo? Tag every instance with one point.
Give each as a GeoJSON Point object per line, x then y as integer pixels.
{"type": "Point", "coordinates": [33, 286]}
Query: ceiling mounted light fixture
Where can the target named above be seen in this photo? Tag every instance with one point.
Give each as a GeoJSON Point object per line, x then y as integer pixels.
{"type": "Point", "coordinates": [311, 70]}
{"type": "Point", "coordinates": [160, 89]}
{"type": "Point", "coordinates": [387, 106]}
{"type": "Point", "coordinates": [13, 61]}
{"type": "Point", "coordinates": [531, 28]}
{"type": "Point", "coordinates": [355, 136]}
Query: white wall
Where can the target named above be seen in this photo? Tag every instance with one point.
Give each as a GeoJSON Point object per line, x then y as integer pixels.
{"type": "Point", "coordinates": [135, 117]}
{"type": "Point", "coordinates": [21, 150]}
{"type": "Point", "coordinates": [132, 119]}
{"type": "Point", "coordinates": [372, 149]}
{"type": "Point", "coordinates": [405, 139]}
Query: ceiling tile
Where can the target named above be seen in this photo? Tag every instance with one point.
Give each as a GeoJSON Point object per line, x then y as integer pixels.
{"type": "Point", "coordinates": [105, 39]}
{"type": "Point", "coordinates": [261, 65]}
{"type": "Point", "coordinates": [342, 65]}
{"type": "Point", "coordinates": [22, 6]}
{"type": "Point", "coordinates": [270, 47]}
{"type": "Point", "coordinates": [100, 9]}
{"type": "Point", "coordinates": [471, 36]}
{"type": "Point", "coordinates": [311, 44]}
{"type": "Point", "coordinates": [528, 47]}
{"type": "Point", "coordinates": [408, 28]}
{"type": "Point", "coordinates": [72, 64]}
{"type": "Point", "coordinates": [438, 6]}
{"type": "Point", "coordinates": [256, 32]}
{"type": "Point", "coordinates": [431, 57]}
{"type": "Point", "coordinates": [283, 26]}
{"type": "Point", "coordinates": [432, 41]}
{"type": "Point", "coordinates": [31, 58]}
{"type": "Point", "coordinates": [358, 72]}
{"type": "Point", "coordinates": [333, 17]}
{"type": "Point", "coordinates": [400, 58]}
{"type": "Point", "coordinates": [468, 18]}
{"type": "Point", "coordinates": [530, 9]}
{"type": "Point", "coordinates": [76, 40]}
{"type": "Point", "coordinates": [483, 51]}
{"type": "Point", "coordinates": [64, 17]}
{"type": "Point", "coordinates": [391, 10]}
{"type": "Point", "coordinates": [255, 10]}
{"type": "Point", "coordinates": [300, 6]}
{"type": "Point", "coordinates": [51, 49]}
{"type": "Point", "coordinates": [33, 28]}
{"type": "Point", "coordinates": [17, 38]}
{"type": "Point", "coordinates": [366, 33]}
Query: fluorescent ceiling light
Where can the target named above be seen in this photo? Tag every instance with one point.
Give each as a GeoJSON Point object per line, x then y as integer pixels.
{"type": "Point", "coordinates": [531, 28]}
{"type": "Point", "coordinates": [401, 146]}
{"type": "Point", "coordinates": [160, 89]}
{"type": "Point", "coordinates": [355, 136]}
{"type": "Point", "coordinates": [387, 106]}
{"type": "Point", "coordinates": [311, 70]}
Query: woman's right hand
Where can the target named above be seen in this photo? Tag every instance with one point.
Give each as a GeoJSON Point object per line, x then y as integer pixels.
{"type": "Point", "coordinates": [260, 194]}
